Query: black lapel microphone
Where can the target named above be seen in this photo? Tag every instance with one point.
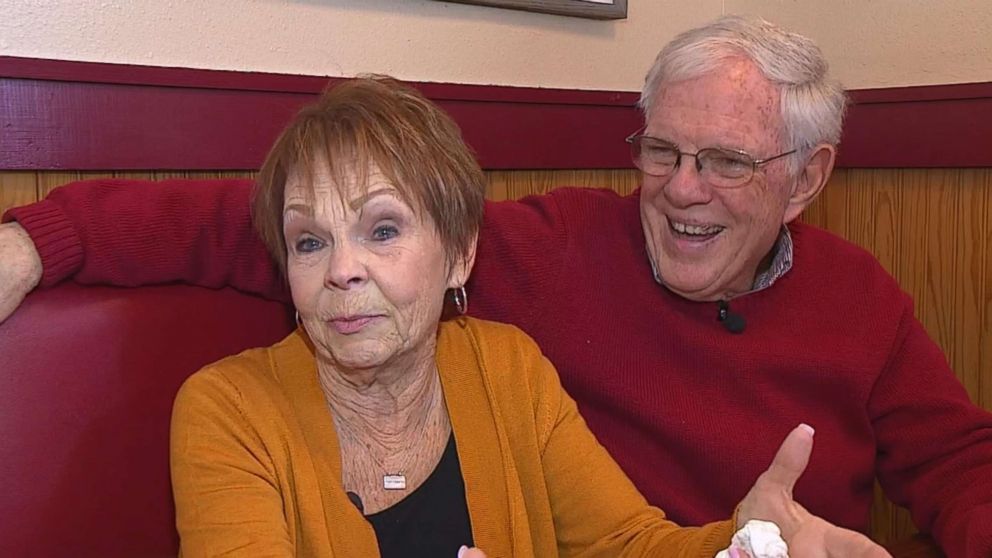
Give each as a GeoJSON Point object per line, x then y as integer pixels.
{"type": "Point", "coordinates": [732, 322]}
{"type": "Point", "coordinates": [357, 500]}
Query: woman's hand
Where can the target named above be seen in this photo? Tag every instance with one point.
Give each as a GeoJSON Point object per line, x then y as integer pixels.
{"type": "Point", "coordinates": [466, 552]}
{"type": "Point", "coordinates": [21, 269]}
{"type": "Point", "coordinates": [808, 536]}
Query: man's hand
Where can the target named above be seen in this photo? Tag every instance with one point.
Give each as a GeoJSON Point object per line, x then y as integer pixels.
{"type": "Point", "coordinates": [20, 267]}
{"type": "Point", "coordinates": [466, 552]}
{"type": "Point", "coordinates": [808, 536]}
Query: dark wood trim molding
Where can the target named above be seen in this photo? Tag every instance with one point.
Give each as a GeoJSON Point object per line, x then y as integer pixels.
{"type": "Point", "coordinates": [93, 116]}
{"type": "Point", "coordinates": [616, 10]}
{"type": "Point", "coordinates": [924, 126]}
{"type": "Point", "coordinates": [59, 114]}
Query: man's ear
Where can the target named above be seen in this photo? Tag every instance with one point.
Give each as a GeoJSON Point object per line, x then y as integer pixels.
{"type": "Point", "coordinates": [462, 268]}
{"type": "Point", "coordinates": [811, 180]}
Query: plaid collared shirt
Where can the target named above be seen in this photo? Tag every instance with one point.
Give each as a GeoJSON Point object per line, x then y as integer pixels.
{"type": "Point", "coordinates": [781, 262]}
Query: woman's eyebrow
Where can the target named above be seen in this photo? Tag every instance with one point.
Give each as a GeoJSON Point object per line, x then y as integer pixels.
{"type": "Point", "coordinates": [300, 208]}
{"type": "Point", "coordinates": [363, 199]}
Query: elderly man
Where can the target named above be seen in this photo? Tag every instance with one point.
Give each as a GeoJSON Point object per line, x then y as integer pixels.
{"type": "Point", "coordinates": [680, 317]}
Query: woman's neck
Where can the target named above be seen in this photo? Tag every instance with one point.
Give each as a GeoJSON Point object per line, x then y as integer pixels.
{"type": "Point", "coordinates": [383, 405]}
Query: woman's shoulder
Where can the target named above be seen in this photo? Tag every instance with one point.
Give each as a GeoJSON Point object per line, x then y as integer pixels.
{"type": "Point", "coordinates": [505, 354]}
{"type": "Point", "coordinates": [500, 363]}
{"type": "Point", "coordinates": [488, 336]}
{"type": "Point", "coordinates": [252, 374]}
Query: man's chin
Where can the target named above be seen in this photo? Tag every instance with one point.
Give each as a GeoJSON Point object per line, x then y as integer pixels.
{"type": "Point", "coordinates": [693, 291]}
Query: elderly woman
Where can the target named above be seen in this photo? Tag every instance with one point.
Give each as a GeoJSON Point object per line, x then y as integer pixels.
{"type": "Point", "coordinates": [378, 429]}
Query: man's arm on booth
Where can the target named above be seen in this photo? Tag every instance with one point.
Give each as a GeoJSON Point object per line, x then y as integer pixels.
{"type": "Point", "coordinates": [199, 232]}
{"type": "Point", "coordinates": [128, 232]}
{"type": "Point", "coordinates": [934, 444]}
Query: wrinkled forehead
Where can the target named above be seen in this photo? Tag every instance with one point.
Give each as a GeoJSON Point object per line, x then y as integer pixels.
{"type": "Point", "coordinates": [733, 100]}
{"type": "Point", "coordinates": [345, 180]}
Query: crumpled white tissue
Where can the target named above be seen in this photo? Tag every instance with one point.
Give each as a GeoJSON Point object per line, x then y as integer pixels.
{"type": "Point", "coordinates": [760, 539]}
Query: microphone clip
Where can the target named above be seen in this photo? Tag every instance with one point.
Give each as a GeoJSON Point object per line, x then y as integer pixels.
{"type": "Point", "coordinates": [732, 322]}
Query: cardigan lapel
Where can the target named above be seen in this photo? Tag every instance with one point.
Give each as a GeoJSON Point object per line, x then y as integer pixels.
{"type": "Point", "coordinates": [492, 487]}
{"type": "Point", "coordinates": [349, 532]}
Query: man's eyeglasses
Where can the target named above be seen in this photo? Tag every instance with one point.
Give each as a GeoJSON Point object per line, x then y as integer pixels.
{"type": "Point", "coordinates": [721, 168]}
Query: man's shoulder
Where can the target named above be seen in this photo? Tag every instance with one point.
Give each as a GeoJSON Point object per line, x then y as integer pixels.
{"type": "Point", "coordinates": [595, 201]}
{"type": "Point", "coordinates": [816, 245]}
{"type": "Point", "coordinates": [594, 217]}
{"type": "Point", "coordinates": [842, 263]}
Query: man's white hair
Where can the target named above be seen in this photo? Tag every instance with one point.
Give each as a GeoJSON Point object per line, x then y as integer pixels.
{"type": "Point", "coordinates": [812, 103]}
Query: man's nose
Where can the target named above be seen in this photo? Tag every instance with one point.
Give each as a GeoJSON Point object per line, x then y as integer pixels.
{"type": "Point", "coordinates": [686, 187]}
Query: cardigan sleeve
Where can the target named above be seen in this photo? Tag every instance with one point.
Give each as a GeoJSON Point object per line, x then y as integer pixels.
{"type": "Point", "coordinates": [934, 445]}
{"type": "Point", "coordinates": [227, 500]}
{"type": "Point", "coordinates": [597, 510]}
{"type": "Point", "coordinates": [131, 232]}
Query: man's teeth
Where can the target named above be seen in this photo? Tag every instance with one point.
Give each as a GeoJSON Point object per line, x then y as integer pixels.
{"type": "Point", "coordinates": [697, 230]}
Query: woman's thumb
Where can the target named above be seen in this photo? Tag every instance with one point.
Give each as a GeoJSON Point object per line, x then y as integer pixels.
{"type": "Point", "coordinates": [466, 552]}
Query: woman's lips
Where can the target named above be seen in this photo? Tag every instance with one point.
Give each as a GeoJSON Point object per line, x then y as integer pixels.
{"type": "Point", "coordinates": [351, 324]}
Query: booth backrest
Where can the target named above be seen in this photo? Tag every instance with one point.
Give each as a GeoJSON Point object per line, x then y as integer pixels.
{"type": "Point", "coordinates": [87, 379]}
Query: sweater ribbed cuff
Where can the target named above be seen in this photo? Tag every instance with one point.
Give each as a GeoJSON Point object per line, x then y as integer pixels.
{"type": "Point", "coordinates": [54, 237]}
{"type": "Point", "coordinates": [720, 535]}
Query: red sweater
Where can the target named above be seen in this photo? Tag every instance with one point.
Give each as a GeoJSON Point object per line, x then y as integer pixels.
{"type": "Point", "coordinates": [691, 412]}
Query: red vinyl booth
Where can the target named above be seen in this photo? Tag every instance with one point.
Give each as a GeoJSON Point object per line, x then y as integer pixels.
{"type": "Point", "coordinates": [87, 379]}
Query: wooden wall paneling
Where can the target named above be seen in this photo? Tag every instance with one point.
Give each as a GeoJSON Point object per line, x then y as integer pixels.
{"type": "Point", "coordinates": [864, 206]}
{"type": "Point", "coordinates": [235, 174]}
{"type": "Point", "coordinates": [511, 185]}
{"type": "Point", "coordinates": [17, 188]}
{"type": "Point", "coordinates": [135, 175]}
{"type": "Point", "coordinates": [889, 522]}
{"type": "Point", "coordinates": [860, 208]}
{"type": "Point", "coordinates": [967, 278]}
{"type": "Point", "coordinates": [886, 220]}
{"type": "Point", "coordinates": [829, 209]}
{"type": "Point", "coordinates": [983, 290]}
{"type": "Point", "coordinates": [48, 181]}
{"type": "Point", "coordinates": [816, 212]}
{"type": "Point", "coordinates": [913, 236]}
{"type": "Point", "coordinates": [942, 207]}
{"type": "Point", "coordinates": [166, 175]}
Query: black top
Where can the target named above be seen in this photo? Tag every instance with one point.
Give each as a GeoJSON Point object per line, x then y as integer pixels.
{"type": "Point", "coordinates": [432, 522]}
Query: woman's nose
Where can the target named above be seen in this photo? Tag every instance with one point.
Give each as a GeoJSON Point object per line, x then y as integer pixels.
{"type": "Point", "coordinates": [346, 267]}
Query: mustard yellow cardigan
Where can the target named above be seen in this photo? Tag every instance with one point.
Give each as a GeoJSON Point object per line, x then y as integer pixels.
{"type": "Point", "coordinates": [256, 467]}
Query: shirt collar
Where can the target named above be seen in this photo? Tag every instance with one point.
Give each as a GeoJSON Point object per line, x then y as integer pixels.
{"type": "Point", "coordinates": [781, 262]}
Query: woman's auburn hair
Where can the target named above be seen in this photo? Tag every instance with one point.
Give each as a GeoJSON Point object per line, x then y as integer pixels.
{"type": "Point", "coordinates": [376, 122]}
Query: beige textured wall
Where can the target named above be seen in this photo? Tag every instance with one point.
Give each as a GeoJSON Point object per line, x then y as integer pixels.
{"type": "Point", "coordinates": [872, 43]}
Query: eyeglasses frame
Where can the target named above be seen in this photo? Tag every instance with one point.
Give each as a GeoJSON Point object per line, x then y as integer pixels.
{"type": "Point", "coordinates": [755, 163]}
